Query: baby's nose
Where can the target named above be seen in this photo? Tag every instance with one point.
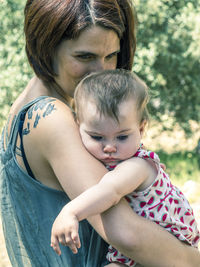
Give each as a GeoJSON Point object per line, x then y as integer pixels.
{"type": "Point", "coordinates": [109, 148]}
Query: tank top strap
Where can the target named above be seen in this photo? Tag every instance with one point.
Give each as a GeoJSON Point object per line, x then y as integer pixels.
{"type": "Point", "coordinates": [145, 154]}
{"type": "Point", "coordinates": [16, 120]}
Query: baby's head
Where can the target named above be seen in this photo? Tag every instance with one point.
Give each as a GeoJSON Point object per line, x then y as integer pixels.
{"type": "Point", "coordinates": [111, 108]}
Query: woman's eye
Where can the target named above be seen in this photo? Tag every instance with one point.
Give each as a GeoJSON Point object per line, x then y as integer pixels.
{"type": "Point", "coordinates": [122, 137]}
{"type": "Point", "coordinates": [84, 57]}
{"type": "Point", "coordinates": [111, 56]}
{"type": "Point", "coordinates": [96, 137]}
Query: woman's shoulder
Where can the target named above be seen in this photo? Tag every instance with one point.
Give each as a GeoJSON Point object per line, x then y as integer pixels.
{"type": "Point", "coordinates": [39, 107]}
{"type": "Point", "coordinates": [49, 126]}
{"type": "Point", "coordinates": [49, 131]}
{"type": "Point", "coordinates": [47, 112]}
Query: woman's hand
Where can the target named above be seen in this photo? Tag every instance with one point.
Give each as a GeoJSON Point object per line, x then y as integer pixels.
{"type": "Point", "coordinates": [65, 231]}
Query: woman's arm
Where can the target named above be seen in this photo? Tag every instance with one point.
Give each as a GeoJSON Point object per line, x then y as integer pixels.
{"type": "Point", "coordinates": [114, 185]}
{"type": "Point", "coordinates": [60, 147]}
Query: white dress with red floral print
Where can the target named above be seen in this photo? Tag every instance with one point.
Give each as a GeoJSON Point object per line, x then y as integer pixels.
{"type": "Point", "coordinates": [164, 204]}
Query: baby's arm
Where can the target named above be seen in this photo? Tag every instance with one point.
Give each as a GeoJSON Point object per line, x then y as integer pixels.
{"type": "Point", "coordinates": [125, 178]}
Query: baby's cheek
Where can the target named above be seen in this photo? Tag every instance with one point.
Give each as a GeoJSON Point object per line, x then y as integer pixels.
{"type": "Point", "coordinates": [95, 149]}
{"type": "Point", "coordinates": [129, 151]}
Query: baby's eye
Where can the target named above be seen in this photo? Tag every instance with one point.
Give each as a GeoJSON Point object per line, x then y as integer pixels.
{"type": "Point", "coordinates": [96, 137]}
{"type": "Point", "coordinates": [122, 137]}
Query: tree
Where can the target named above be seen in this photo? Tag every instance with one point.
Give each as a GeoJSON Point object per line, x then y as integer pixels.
{"type": "Point", "coordinates": [15, 70]}
{"type": "Point", "coordinates": [168, 57]}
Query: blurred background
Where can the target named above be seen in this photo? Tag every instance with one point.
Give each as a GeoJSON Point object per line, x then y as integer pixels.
{"type": "Point", "coordinates": [167, 58]}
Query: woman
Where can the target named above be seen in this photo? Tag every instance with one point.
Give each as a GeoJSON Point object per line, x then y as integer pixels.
{"type": "Point", "coordinates": [41, 147]}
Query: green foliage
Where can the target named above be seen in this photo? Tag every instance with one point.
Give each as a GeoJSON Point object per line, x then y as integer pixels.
{"type": "Point", "coordinates": [15, 70]}
{"type": "Point", "coordinates": [168, 57]}
{"type": "Point", "coordinates": [181, 166]}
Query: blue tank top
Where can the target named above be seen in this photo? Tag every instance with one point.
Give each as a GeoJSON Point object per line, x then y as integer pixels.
{"type": "Point", "coordinates": [28, 209]}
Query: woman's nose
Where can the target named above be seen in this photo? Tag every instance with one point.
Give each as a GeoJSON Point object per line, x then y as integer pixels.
{"type": "Point", "coordinates": [109, 148]}
{"type": "Point", "coordinates": [99, 65]}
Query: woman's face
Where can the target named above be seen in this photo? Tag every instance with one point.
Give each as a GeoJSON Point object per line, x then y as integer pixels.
{"type": "Point", "coordinates": [94, 50]}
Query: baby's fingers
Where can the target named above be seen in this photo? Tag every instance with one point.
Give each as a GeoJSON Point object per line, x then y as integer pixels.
{"type": "Point", "coordinates": [55, 245]}
{"type": "Point", "coordinates": [76, 239]}
{"type": "Point", "coordinates": [70, 243]}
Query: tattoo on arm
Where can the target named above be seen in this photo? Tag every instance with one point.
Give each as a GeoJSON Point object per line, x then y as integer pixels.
{"type": "Point", "coordinates": [39, 110]}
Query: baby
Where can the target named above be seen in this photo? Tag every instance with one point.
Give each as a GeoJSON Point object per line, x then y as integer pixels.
{"type": "Point", "coordinates": [111, 109]}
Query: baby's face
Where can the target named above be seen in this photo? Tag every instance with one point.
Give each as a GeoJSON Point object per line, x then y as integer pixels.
{"type": "Point", "coordinates": [108, 140]}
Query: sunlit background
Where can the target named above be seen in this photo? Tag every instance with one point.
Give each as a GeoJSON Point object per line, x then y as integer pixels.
{"type": "Point", "coordinates": [167, 58]}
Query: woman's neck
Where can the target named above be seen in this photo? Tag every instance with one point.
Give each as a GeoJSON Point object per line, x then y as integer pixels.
{"type": "Point", "coordinates": [37, 88]}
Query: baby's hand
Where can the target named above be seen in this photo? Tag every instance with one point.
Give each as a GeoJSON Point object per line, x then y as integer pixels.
{"type": "Point", "coordinates": [65, 231]}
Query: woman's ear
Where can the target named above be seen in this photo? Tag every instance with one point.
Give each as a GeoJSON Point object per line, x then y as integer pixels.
{"type": "Point", "coordinates": [142, 127]}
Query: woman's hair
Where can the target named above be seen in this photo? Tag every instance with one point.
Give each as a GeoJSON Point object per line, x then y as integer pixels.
{"type": "Point", "coordinates": [49, 22]}
{"type": "Point", "coordinates": [108, 89]}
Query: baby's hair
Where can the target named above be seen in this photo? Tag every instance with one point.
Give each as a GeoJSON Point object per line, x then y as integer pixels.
{"type": "Point", "coordinates": [110, 88]}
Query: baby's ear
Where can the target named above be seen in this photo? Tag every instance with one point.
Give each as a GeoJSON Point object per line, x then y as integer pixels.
{"type": "Point", "coordinates": [142, 127]}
